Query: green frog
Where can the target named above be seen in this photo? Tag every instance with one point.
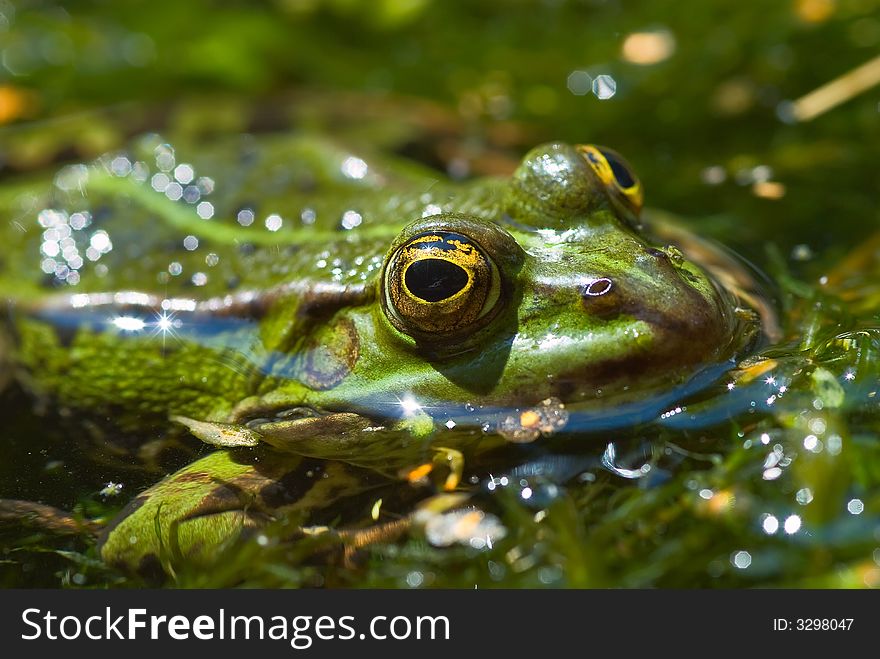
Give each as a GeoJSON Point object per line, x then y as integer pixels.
{"type": "Point", "coordinates": [336, 321]}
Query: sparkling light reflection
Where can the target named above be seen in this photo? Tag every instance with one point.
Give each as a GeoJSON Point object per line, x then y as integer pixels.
{"type": "Point", "coordinates": [770, 524]}
{"type": "Point", "coordinates": [163, 326]}
{"type": "Point", "coordinates": [410, 405]}
{"type": "Point", "coordinates": [129, 323]}
{"type": "Point", "coordinates": [354, 168]}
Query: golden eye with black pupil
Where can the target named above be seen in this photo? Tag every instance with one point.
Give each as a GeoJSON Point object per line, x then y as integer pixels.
{"type": "Point", "coordinates": [439, 283]}
{"type": "Point", "coordinates": [623, 186]}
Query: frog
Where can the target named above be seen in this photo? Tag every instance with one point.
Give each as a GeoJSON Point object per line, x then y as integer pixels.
{"type": "Point", "coordinates": [328, 323]}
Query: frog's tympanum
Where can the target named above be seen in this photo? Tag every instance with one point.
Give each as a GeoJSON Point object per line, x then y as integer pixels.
{"type": "Point", "coordinates": [334, 323]}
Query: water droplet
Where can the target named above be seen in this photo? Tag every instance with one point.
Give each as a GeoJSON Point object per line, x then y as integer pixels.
{"type": "Point", "coordinates": [100, 241]}
{"type": "Point", "coordinates": [164, 157]}
{"type": "Point", "coordinates": [120, 166]}
{"type": "Point", "coordinates": [205, 184]}
{"type": "Point", "coordinates": [772, 474]}
{"type": "Point", "coordinates": [184, 173]}
{"type": "Point", "coordinates": [308, 216]}
{"type": "Point", "coordinates": [351, 219]}
{"type": "Point", "coordinates": [804, 496]}
{"type": "Point", "coordinates": [770, 524]}
{"type": "Point", "coordinates": [159, 182]}
{"type": "Point", "coordinates": [812, 443]}
{"type": "Point", "coordinates": [80, 220]}
{"type": "Point", "coordinates": [191, 194]}
{"type": "Point", "coordinates": [855, 506]}
{"type": "Point", "coordinates": [354, 168]}
{"type": "Point", "coordinates": [609, 458]}
{"type": "Point", "coordinates": [579, 83]}
{"type": "Point", "coordinates": [205, 210]}
{"type": "Point", "coordinates": [274, 222]}
{"type": "Point", "coordinates": [245, 217]}
{"type": "Point", "coordinates": [174, 191]}
{"type": "Point", "coordinates": [604, 87]}
{"type": "Point", "coordinates": [792, 524]}
{"type": "Point", "coordinates": [50, 217]}
{"type": "Point", "coordinates": [140, 172]}
{"type": "Point", "coordinates": [72, 177]}
{"type": "Point", "coordinates": [741, 559]}
{"type": "Point", "coordinates": [835, 444]}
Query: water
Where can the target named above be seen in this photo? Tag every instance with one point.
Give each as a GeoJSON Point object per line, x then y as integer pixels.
{"type": "Point", "coordinates": [764, 475]}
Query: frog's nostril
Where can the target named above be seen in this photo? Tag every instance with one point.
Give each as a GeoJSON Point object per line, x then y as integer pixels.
{"type": "Point", "coordinates": [597, 288]}
{"type": "Point", "coordinates": [600, 298]}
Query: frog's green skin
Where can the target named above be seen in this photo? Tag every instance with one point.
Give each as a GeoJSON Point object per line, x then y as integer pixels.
{"type": "Point", "coordinates": [295, 319]}
{"type": "Point", "coordinates": [193, 514]}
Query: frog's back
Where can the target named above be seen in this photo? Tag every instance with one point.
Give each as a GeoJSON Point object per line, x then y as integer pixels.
{"type": "Point", "coordinates": [201, 221]}
{"type": "Point", "coordinates": [141, 283]}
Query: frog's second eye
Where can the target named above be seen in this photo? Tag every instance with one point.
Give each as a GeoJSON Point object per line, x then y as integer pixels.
{"type": "Point", "coordinates": [440, 282]}
{"type": "Point", "coordinates": [623, 186]}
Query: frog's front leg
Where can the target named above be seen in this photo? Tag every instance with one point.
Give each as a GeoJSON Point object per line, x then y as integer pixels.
{"type": "Point", "coordinates": [344, 436]}
{"type": "Point", "coordinates": [191, 516]}
{"type": "Point", "coordinates": [305, 435]}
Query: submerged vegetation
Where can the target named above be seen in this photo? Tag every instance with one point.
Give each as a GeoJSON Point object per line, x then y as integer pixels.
{"type": "Point", "coordinates": [770, 476]}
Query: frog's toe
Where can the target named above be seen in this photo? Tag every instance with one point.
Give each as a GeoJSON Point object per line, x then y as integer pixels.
{"type": "Point", "coordinates": [44, 518]}
{"type": "Point", "coordinates": [289, 435]}
{"type": "Point", "coordinates": [331, 435]}
{"type": "Point", "coordinates": [224, 435]}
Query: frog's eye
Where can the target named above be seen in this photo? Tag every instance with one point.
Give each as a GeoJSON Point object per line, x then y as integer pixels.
{"type": "Point", "coordinates": [440, 282]}
{"type": "Point", "coordinates": [623, 185]}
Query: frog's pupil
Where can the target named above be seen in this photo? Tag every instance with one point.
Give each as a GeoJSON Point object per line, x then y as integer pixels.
{"type": "Point", "coordinates": [620, 171]}
{"type": "Point", "coordinates": [435, 279]}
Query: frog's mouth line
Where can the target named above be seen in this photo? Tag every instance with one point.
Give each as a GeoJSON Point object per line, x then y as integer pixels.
{"type": "Point", "coordinates": [729, 271]}
{"type": "Point", "coordinates": [291, 425]}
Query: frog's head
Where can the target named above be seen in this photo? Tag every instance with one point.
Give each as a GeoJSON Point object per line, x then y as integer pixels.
{"type": "Point", "coordinates": [560, 296]}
